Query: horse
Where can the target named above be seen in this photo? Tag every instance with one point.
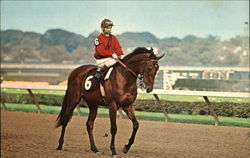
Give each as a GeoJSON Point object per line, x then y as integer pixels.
{"type": "Point", "coordinates": [120, 92]}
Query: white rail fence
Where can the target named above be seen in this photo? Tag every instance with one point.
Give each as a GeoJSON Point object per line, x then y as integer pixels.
{"type": "Point", "coordinates": [165, 79]}
{"type": "Point", "coordinates": [155, 92]}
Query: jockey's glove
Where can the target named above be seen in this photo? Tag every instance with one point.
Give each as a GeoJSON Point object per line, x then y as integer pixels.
{"type": "Point", "coordinates": [121, 56]}
{"type": "Point", "coordinates": [117, 56]}
{"type": "Point", "coordinates": [114, 55]}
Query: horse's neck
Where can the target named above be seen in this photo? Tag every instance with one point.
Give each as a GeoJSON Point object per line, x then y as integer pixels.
{"type": "Point", "coordinates": [134, 65]}
{"type": "Point", "coordinates": [126, 75]}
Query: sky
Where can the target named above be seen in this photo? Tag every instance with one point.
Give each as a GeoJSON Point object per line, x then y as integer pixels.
{"type": "Point", "coordinates": [177, 18]}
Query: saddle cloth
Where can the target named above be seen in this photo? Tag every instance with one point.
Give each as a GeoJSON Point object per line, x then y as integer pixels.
{"type": "Point", "coordinates": [91, 83]}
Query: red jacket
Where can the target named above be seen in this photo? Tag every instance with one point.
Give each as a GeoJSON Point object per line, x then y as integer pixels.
{"type": "Point", "coordinates": [105, 46]}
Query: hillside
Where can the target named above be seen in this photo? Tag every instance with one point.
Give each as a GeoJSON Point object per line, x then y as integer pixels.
{"type": "Point", "coordinates": [62, 46]}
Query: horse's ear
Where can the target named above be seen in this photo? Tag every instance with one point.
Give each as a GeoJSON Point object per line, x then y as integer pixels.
{"type": "Point", "coordinates": [159, 57]}
{"type": "Point", "coordinates": [151, 50]}
{"type": "Point", "coordinates": [152, 55]}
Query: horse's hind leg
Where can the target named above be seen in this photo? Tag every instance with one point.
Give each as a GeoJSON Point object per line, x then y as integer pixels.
{"type": "Point", "coordinates": [67, 115]}
{"type": "Point", "coordinates": [61, 139]}
{"type": "Point", "coordinates": [70, 102]}
{"type": "Point", "coordinates": [131, 115]}
{"type": "Point", "coordinates": [90, 126]}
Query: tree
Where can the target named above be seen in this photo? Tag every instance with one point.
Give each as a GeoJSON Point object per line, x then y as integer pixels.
{"type": "Point", "coordinates": [81, 55]}
{"type": "Point", "coordinates": [55, 54]}
{"type": "Point", "coordinates": [21, 52]}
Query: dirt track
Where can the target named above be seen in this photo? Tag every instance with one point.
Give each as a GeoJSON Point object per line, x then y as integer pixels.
{"type": "Point", "coordinates": [33, 135]}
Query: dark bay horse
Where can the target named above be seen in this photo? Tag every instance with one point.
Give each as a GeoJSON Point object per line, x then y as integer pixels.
{"type": "Point", "coordinates": [120, 92]}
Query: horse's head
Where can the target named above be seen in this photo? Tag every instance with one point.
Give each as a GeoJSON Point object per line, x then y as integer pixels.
{"type": "Point", "coordinates": [150, 69]}
{"type": "Point", "coordinates": [144, 62]}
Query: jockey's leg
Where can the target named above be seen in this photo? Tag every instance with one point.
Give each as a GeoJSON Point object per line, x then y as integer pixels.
{"type": "Point", "coordinates": [100, 71]}
{"type": "Point", "coordinates": [102, 66]}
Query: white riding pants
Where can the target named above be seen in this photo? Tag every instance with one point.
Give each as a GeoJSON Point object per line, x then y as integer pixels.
{"type": "Point", "coordinates": [106, 61]}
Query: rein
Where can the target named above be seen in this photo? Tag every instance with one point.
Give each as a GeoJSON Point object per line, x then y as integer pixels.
{"type": "Point", "coordinates": [140, 76]}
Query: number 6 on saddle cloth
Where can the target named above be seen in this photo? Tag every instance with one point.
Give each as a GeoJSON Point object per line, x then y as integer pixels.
{"type": "Point", "coordinates": [92, 83]}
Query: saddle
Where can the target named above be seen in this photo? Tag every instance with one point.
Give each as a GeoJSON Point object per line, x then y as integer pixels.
{"type": "Point", "coordinates": [92, 83]}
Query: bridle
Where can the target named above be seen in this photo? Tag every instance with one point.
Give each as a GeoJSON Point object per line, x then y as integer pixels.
{"type": "Point", "coordinates": [139, 76]}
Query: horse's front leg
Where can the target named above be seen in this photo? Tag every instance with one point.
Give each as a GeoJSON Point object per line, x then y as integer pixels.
{"type": "Point", "coordinates": [131, 115]}
{"type": "Point", "coordinates": [113, 129]}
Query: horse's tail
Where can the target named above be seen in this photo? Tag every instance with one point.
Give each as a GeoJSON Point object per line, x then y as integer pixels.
{"type": "Point", "coordinates": [60, 119]}
{"type": "Point", "coordinates": [70, 101]}
{"type": "Point", "coordinates": [72, 96]}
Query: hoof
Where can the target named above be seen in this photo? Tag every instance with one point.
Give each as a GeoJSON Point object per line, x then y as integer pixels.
{"type": "Point", "coordinates": [59, 148]}
{"type": "Point", "coordinates": [98, 153]}
{"type": "Point", "coordinates": [95, 150]}
{"type": "Point", "coordinates": [125, 150]}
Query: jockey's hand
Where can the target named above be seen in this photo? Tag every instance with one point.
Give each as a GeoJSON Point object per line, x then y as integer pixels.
{"type": "Point", "coordinates": [120, 56]}
{"type": "Point", "coordinates": [114, 56]}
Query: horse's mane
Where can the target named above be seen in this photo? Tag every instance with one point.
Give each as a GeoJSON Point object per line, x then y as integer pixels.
{"type": "Point", "coordinates": [138, 50]}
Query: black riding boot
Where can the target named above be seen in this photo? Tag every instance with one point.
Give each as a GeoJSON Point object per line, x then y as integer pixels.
{"type": "Point", "coordinates": [100, 71]}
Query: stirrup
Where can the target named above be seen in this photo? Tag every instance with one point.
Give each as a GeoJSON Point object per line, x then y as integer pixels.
{"type": "Point", "coordinates": [98, 75]}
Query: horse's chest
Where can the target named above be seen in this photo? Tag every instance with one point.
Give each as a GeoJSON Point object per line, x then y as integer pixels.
{"type": "Point", "coordinates": [125, 91]}
{"type": "Point", "coordinates": [126, 98]}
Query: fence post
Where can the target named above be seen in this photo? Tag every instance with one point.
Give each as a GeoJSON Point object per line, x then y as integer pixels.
{"type": "Point", "coordinates": [162, 108]}
{"type": "Point", "coordinates": [3, 103]}
{"type": "Point", "coordinates": [34, 101]}
{"type": "Point", "coordinates": [165, 79]}
{"type": "Point", "coordinates": [211, 108]}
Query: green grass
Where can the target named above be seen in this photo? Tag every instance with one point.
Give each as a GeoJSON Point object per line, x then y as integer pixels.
{"type": "Point", "coordinates": [143, 96]}
{"type": "Point", "coordinates": [194, 98]}
{"type": "Point", "coordinates": [182, 118]}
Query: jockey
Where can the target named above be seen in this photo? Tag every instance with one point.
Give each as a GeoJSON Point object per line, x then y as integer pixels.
{"type": "Point", "coordinates": [107, 47]}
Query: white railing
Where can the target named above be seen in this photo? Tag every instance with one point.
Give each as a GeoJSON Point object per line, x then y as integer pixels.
{"type": "Point", "coordinates": [155, 92]}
